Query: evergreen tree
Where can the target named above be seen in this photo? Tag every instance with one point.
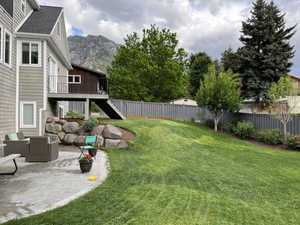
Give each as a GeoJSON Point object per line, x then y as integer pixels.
{"type": "Point", "coordinates": [265, 56]}
{"type": "Point", "coordinates": [198, 65]}
{"type": "Point", "coordinates": [231, 60]}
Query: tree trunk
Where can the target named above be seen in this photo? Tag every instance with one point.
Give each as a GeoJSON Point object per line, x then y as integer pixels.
{"type": "Point", "coordinates": [285, 132]}
{"type": "Point", "coordinates": [216, 124]}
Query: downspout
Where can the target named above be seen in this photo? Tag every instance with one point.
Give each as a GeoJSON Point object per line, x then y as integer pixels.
{"type": "Point", "coordinates": [17, 84]}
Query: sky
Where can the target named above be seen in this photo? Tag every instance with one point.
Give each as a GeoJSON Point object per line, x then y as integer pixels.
{"type": "Point", "coordinates": [201, 25]}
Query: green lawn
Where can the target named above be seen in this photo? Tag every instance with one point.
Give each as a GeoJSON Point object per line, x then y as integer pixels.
{"type": "Point", "coordinates": [177, 173]}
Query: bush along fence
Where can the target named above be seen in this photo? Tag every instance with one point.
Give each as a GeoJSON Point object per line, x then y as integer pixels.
{"type": "Point", "coordinates": [183, 112]}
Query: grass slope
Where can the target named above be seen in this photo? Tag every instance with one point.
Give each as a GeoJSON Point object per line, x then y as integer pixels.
{"type": "Point", "coordinates": [179, 173]}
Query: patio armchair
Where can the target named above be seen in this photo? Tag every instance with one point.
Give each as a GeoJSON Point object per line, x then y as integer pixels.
{"type": "Point", "coordinates": [42, 150]}
{"type": "Point", "coordinates": [14, 145]}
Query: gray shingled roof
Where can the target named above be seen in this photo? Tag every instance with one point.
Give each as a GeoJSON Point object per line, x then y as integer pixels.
{"type": "Point", "coordinates": [41, 21]}
{"type": "Point", "coordinates": [8, 5]}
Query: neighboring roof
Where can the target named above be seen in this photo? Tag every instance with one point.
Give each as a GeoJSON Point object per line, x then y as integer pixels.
{"type": "Point", "coordinates": [8, 5]}
{"type": "Point", "coordinates": [75, 66]}
{"type": "Point", "coordinates": [42, 21]}
{"type": "Point", "coordinates": [294, 76]}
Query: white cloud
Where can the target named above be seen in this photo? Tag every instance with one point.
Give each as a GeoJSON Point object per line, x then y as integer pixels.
{"type": "Point", "coordinates": [201, 25]}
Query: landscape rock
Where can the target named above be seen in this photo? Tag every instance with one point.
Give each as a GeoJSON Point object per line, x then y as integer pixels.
{"type": "Point", "coordinates": [56, 119]}
{"type": "Point", "coordinates": [112, 132]}
{"type": "Point", "coordinates": [79, 140]}
{"type": "Point", "coordinates": [61, 135]}
{"type": "Point", "coordinates": [53, 128]}
{"type": "Point", "coordinates": [112, 143]}
{"type": "Point", "coordinates": [123, 144]}
{"type": "Point", "coordinates": [71, 127]}
{"type": "Point", "coordinates": [62, 122]}
{"type": "Point", "coordinates": [49, 120]}
{"type": "Point", "coordinates": [98, 130]}
{"type": "Point", "coordinates": [100, 141]}
{"type": "Point", "coordinates": [70, 138]}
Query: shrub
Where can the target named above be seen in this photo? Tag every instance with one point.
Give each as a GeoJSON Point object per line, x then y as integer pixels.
{"type": "Point", "coordinates": [292, 143]}
{"type": "Point", "coordinates": [244, 129]}
{"type": "Point", "coordinates": [272, 137]}
{"type": "Point", "coordinates": [75, 115]}
{"type": "Point", "coordinates": [209, 123]}
{"type": "Point", "coordinates": [90, 124]}
{"type": "Point", "coordinates": [229, 126]}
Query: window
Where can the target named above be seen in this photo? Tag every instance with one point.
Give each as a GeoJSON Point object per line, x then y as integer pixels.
{"type": "Point", "coordinates": [31, 53]}
{"type": "Point", "coordinates": [7, 47]}
{"type": "Point", "coordinates": [28, 114]}
{"type": "Point", "coordinates": [74, 79]}
{"type": "Point", "coordinates": [23, 6]}
{"type": "Point", "coordinates": [58, 28]}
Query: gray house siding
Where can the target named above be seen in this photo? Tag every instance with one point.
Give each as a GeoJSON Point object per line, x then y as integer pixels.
{"type": "Point", "coordinates": [7, 83]}
{"type": "Point", "coordinates": [61, 41]}
{"type": "Point", "coordinates": [19, 16]}
{"type": "Point", "coordinates": [32, 90]}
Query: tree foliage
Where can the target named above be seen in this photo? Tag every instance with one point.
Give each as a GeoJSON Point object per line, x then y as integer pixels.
{"type": "Point", "coordinates": [151, 68]}
{"type": "Point", "coordinates": [230, 60]}
{"type": "Point", "coordinates": [219, 93]}
{"type": "Point", "coordinates": [283, 101]}
{"type": "Point", "coordinates": [266, 52]}
{"type": "Point", "coordinates": [198, 66]}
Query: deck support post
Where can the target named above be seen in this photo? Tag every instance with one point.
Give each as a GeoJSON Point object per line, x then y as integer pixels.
{"type": "Point", "coordinates": [87, 109]}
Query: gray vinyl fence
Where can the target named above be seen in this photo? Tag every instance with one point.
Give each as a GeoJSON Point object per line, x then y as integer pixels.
{"type": "Point", "coordinates": [183, 112]}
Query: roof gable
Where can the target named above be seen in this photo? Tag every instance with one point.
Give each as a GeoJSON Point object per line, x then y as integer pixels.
{"type": "Point", "coordinates": [41, 21]}
{"type": "Point", "coordinates": [8, 5]}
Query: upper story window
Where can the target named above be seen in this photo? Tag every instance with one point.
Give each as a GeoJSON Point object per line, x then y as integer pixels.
{"type": "Point", "coordinates": [31, 53]}
{"type": "Point", "coordinates": [58, 29]}
{"type": "Point", "coordinates": [7, 47]}
{"type": "Point", "coordinates": [23, 6]}
{"type": "Point", "coordinates": [74, 79]}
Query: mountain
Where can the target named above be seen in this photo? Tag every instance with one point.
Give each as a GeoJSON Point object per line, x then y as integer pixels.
{"type": "Point", "coordinates": [95, 52]}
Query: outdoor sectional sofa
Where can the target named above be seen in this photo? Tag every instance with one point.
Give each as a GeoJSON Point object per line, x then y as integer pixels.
{"type": "Point", "coordinates": [34, 149]}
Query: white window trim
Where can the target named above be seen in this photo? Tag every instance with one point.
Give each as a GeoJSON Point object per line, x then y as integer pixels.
{"type": "Point", "coordinates": [2, 45]}
{"type": "Point", "coordinates": [25, 5]}
{"type": "Point", "coordinates": [63, 110]}
{"type": "Point", "coordinates": [39, 52]}
{"type": "Point", "coordinates": [23, 126]}
{"type": "Point", "coordinates": [71, 75]}
{"type": "Point", "coordinates": [10, 47]}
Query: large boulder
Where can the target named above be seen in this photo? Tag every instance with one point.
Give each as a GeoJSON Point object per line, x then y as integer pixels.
{"type": "Point", "coordinates": [61, 135]}
{"type": "Point", "coordinates": [79, 141]}
{"type": "Point", "coordinates": [98, 130]}
{"type": "Point", "coordinates": [113, 143]}
{"type": "Point", "coordinates": [100, 141]}
{"type": "Point", "coordinates": [112, 132]}
{"type": "Point", "coordinates": [71, 127]}
{"type": "Point", "coordinates": [62, 122]}
{"type": "Point", "coordinates": [70, 138]}
{"type": "Point", "coordinates": [53, 128]}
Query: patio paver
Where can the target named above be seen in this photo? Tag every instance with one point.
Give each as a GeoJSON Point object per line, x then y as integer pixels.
{"type": "Point", "coordinates": [38, 187]}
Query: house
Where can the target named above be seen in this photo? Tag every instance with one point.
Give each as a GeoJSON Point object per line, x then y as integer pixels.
{"type": "Point", "coordinates": [34, 67]}
{"type": "Point", "coordinates": [85, 80]}
{"type": "Point", "coordinates": [296, 80]}
{"type": "Point", "coordinates": [184, 101]}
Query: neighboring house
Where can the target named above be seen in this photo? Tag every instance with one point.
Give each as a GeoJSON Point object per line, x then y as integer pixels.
{"type": "Point", "coordinates": [184, 101]}
{"type": "Point", "coordinates": [34, 66]}
{"type": "Point", "coordinates": [85, 80]}
{"type": "Point", "coordinates": [296, 80]}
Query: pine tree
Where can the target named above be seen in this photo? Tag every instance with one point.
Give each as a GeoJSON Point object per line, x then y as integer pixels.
{"type": "Point", "coordinates": [266, 54]}
{"type": "Point", "coordinates": [198, 65]}
{"type": "Point", "coordinates": [231, 60]}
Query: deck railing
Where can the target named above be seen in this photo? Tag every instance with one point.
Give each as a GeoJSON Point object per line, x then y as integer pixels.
{"type": "Point", "coordinates": [60, 84]}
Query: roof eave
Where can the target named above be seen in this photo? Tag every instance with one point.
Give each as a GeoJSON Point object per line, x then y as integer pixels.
{"type": "Point", "coordinates": [35, 5]}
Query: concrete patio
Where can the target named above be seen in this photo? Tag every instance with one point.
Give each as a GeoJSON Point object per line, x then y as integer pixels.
{"type": "Point", "coordinates": [39, 187]}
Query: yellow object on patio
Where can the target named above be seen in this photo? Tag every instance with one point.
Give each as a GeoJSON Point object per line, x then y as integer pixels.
{"type": "Point", "coordinates": [92, 178]}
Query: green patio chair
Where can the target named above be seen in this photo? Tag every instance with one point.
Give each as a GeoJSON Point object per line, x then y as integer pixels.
{"type": "Point", "coordinates": [88, 145]}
